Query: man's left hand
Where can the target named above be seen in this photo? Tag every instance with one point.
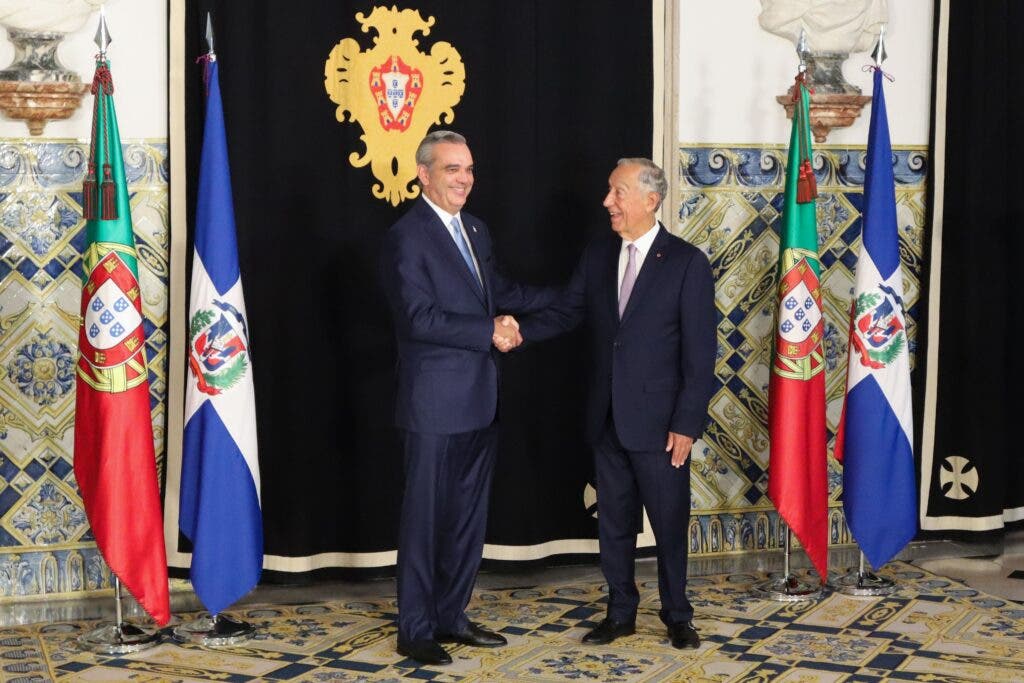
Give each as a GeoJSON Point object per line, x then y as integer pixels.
{"type": "Point", "coordinates": [679, 446]}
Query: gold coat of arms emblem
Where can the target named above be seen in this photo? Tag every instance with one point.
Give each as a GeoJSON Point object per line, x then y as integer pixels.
{"type": "Point", "coordinates": [395, 92]}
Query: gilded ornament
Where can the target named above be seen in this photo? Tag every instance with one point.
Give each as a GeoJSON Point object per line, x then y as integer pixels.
{"type": "Point", "coordinates": [395, 92]}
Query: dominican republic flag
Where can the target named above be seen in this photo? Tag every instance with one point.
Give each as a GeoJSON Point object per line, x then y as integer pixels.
{"type": "Point", "coordinates": [875, 437]}
{"type": "Point", "coordinates": [797, 464]}
{"type": "Point", "coordinates": [220, 477]}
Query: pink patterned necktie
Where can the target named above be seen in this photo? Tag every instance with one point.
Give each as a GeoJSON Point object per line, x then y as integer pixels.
{"type": "Point", "coordinates": [628, 278]}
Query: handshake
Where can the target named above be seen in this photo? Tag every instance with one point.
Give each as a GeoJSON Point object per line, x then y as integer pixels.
{"type": "Point", "coordinates": [506, 333]}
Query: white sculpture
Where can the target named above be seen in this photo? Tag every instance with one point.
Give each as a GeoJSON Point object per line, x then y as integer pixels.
{"type": "Point", "coordinates": [832, 25]}
{"type": "Point", "coordinates": [59, 16]}
{"type": "Point", "coordinates": [36, 87]}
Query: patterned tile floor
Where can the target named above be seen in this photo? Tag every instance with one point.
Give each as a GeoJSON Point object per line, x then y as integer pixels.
{"type": "Point", "coordinates": [932, 629]}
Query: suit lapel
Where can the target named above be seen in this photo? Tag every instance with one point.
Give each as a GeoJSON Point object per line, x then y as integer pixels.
{"type": "Point", "coordinates": [469, 223]}
{"type": "Point", "coordinates": [648, 273]}
{"type": "Point", "coordinates": [612, 276]}
{"type": "Point", "coordinates": [439, 235]}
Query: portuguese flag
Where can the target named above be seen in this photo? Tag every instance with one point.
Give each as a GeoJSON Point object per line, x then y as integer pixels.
{"type": "Point", "coordinates": [797, 465]}
{"type": "Point", "coordinates": [115, 463]}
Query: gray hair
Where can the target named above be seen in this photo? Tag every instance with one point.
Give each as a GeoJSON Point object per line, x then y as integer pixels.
{"type": "Point", "coordinates": [425, 152]}
{"type": "Point", "coordinates": [651, 177]}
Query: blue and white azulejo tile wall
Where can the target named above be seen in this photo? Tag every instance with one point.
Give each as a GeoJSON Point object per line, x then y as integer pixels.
{"type": "Point", "coordinates": [46, 546]}
{"type": "Point", "coordinates": [729, 204]}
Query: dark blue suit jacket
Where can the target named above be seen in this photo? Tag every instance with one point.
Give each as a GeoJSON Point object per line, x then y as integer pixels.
{"type": "Point", "coordinates": [447, 366]}
{"type": "Point", "coordinates": [655, 367]}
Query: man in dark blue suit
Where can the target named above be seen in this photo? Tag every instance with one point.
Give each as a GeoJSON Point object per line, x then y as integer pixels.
{"type": "Point", "coordinates": [648, 298]}
{"type": "Point", "coordinates": [439, 275]}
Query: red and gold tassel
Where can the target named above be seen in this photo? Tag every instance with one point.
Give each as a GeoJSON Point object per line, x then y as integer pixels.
{"type": "Point", "coordinates": [812, 180]}
{"type": "Point", "coordinates": [109, 198]}
{"type": "Point", "coordinates": [806, 183]}
{"type": "Point", "coordinates": [89, 194]}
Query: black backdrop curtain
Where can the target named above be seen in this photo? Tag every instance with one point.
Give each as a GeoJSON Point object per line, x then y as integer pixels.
{"type": "Point", "coordinates": [975, 477]}
{"type": "Point", "coordinates": [555, 93]}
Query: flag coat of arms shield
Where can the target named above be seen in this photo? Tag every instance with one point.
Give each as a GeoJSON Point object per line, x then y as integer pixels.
{"type": "Point", "coordinates": [801, 325]}
{"type": "Point", "coordinates": [218, 349]}
{"type": "Point", "coordinates": [878, 334]}
{"type": "Point", "coordinates": [112, 331]}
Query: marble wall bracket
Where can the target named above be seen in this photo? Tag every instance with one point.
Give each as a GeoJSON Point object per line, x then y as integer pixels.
{"type": "Point", "coordinates": [36, 87]}
{"type": "Point", "coordinates": [39, 103]}
{"type": "Point", "coordinates": [828, 111]}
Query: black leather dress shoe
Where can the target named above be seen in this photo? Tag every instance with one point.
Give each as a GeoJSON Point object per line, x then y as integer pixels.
{"type": "Point", "coordinates": [683, 636]}
{"type": "Point", "coordinates": [475, 636]}
{"type": "Point", "coordinates": [608, 630]}
{"type": "Point", "coordinates": [424, 652]}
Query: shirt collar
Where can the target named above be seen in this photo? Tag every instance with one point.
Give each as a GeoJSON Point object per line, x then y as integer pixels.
{"type": "Point", "coordinates": [445, 217]}
{"type": "Point", "coordinates": [643, 242]}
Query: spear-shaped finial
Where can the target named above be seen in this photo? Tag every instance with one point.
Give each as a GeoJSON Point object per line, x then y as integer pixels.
{"type": "Point", "coordinates": [879, 54]}
{"type": "Point", "coordinates": [102, 38]}
{"type": "Point", "coordinates": [802, 50]}
{"type": "Point", "coordinates": [209, 36]}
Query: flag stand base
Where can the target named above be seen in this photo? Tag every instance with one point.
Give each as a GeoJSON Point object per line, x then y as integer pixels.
{"type": "Point", "coordinates": [789, 587]}
{"type": "Point", "coordinates": [859, 583]}
{"type": "Point", "coordinates": [118, 639]}
{"type": "Point", "coordinates": [214, 631]}
{"type": "Point", "coordinates": [786, 588]}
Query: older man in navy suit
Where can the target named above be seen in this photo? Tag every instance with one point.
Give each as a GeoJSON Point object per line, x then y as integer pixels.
{"type": "Point", "coordinates": [648, 298]}
{"type": "Point", "coordinates": [439, 275]}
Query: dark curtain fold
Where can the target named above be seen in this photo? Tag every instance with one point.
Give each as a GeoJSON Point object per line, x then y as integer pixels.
{"type": "Point", "coordinates": [555, 93]}
{"type": "Point", "coordinates": [977, 471]}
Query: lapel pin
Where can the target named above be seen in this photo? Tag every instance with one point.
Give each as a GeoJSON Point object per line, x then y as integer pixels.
{"type": "Point", "coordinates": [474, 228]}
{"type": "Point", "coordinates": [657, 255]}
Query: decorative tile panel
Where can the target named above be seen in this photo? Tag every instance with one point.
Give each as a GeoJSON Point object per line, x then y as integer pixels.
{"type": "Point", "coordinates": [730, 199]}
{"type": "Point", "coordinates": [46, 546]}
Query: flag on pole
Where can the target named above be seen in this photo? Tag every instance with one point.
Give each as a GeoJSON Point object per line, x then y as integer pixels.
{"type": "Point", "coordinates": [220, 477]}
{"type": "Point", "coordinates": [115, 461]}
{"type": "Point", "coordinates": [797, 468]}
{"type": "Point", "coordinates": [875, 437]}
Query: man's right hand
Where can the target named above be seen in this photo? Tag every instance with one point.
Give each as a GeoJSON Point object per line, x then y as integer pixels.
{"type": "Point", "coordinates": [506, 333]}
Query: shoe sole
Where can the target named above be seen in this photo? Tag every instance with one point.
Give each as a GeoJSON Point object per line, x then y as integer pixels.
{"type": "Point", "coordinates": [407, 655]}
{"type": "Point", "coordinates": [459, 642]}
{"type": "Point", "coordinates": [426, 662]}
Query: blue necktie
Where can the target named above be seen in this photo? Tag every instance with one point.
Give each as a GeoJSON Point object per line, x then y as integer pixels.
{"type": "Point", "coordinates": [460, 242]}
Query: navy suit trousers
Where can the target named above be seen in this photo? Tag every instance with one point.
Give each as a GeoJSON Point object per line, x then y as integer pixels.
{"type": "Point", "coordinates": [441, 534]}
{"type": "Point", "coordinates": [625, 481]}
